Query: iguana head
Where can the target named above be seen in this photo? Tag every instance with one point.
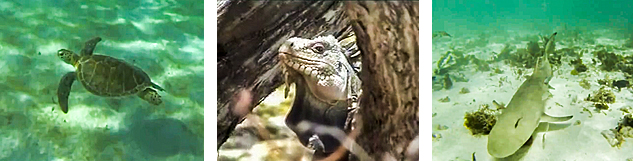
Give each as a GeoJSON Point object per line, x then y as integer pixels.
{"type": "Point", "coordinates": [321, 62]}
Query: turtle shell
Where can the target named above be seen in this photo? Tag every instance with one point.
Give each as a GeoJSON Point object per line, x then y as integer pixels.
{"type": "Point", "coordinates": [107, 76]}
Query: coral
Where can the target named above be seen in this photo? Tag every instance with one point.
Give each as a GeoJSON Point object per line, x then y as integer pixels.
{"type": "Point", "coordinates": [481, 121]}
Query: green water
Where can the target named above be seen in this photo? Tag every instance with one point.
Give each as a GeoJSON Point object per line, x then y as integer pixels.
{"type": "Point", "coordinates": [163, 38]}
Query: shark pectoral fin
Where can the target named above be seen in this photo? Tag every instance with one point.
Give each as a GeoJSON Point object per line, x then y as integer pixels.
{"type": "Point", "coordinates": [547, 95]}
{"type": "Point", "coordinates": [550, 87]}
{"type": "Point", "coordinates": [548, 118]}
{"type": "Point", "coordinates": [499, 106]}
{"type": "Point", "coordinates": [547, 126]}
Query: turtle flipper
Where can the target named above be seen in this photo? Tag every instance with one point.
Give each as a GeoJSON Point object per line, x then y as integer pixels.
{"type": "Point", "coordinates": [63, 90]}
{"type": "Point", "coordinates": [150, 96]}
{"type": "Point", "coordinates": [154, 85]}
{"type": "Point", "coordinates": [89, 47]}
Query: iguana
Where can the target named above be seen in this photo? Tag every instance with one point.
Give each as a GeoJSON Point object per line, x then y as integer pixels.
{"type": "Point", "coordinates": [326, 86]}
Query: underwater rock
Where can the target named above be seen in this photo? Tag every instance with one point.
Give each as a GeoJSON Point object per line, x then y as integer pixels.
{"type": "Point", "coordinates": [620, 84]}
{"type": "Point", "coordinates": [481, 121]}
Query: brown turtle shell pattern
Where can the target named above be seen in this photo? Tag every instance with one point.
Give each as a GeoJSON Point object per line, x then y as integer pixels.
{"type": "Point", "coordinates": [107, 76]}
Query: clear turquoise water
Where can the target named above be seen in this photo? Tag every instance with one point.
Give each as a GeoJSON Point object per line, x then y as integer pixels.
{"type": "Point", "coordinates": [541, 15]}
{"type": "Point", "coordinates": [164, 38]}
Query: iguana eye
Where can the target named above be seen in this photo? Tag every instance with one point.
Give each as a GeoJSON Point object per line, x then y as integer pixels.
{"type": "Point", "coordinates": [318, 47]}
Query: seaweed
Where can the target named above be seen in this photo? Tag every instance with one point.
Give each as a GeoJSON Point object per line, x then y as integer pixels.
{"type": "Point", "coordinates": [522, 58]}
{"type": "Point", "coordinates": [627, 120]}
{"type": "Point", "coordinates": [584, 84]}
{"type": "Point", "coordinates": [481, 64]}
{"type": "Point", "coordinates": [601, 98]}
{"type": "Point", "coordinates": [579, 67]}
{"type": "Point", "coordinates": [481, 41]}
{"type": "Point", "coordinates": [505, 52]}
{"type": "Point", "coordinates": [445, 99]}
{"type": "Point", "coordinates": [570, 51]}
{"type": "Point", "coordinates": [481, 121]}
{"type": "Point", "coordinates": [629, 42]}
{"type": "Point", "coordinates": [609, 60]}
{"type": "Point", "coordinates": [601, 106]}
{"type": "Point", "coordinates": [624, 129]}
{"type": "Point", "coordinates": [534, 49]}
{"type": "Point", "coordinates": [464, 90]}
{"type": "Point", "coordinates": [528, 56]}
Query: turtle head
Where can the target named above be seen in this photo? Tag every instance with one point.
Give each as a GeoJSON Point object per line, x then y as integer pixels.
{"type": "Point", "coordinates": [68, 56]}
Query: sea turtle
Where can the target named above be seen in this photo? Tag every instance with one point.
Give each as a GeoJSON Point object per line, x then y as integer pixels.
{"type": "Point", "coordinates": [104, 76]}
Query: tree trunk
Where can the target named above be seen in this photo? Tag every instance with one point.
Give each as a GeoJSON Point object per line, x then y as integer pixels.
{"type": "Point", "coordinates": [387, 35]}
{"type": "Point", "coordinates": [249, 34]}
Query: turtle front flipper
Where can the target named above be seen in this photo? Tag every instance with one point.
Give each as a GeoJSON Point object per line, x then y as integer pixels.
{"type": "Point", "coordinates": [154, 85]}
{"type": "Point", "coordinates": [150, 96]}
{"type": "Point", "coordinates": [64, 90]}
{"type": "Point", "coordinates": [89, 47]}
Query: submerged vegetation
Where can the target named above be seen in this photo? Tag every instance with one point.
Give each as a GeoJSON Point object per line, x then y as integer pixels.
{"type": "Point", "coordinates": [481, 121]}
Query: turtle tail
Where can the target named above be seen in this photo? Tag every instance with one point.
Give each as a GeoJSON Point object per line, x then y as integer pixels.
{"type": "Point", "coordinates": [154, 85]}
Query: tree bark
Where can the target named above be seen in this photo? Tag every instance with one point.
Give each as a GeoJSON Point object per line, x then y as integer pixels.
{"type": "Point", "coordinates": [387, 35]}
{"type": "Point", "coordinates": [249, 34]}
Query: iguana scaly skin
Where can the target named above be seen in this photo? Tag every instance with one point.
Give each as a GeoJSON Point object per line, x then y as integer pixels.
{"type": "Point", "coordinates": [326, 84]}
